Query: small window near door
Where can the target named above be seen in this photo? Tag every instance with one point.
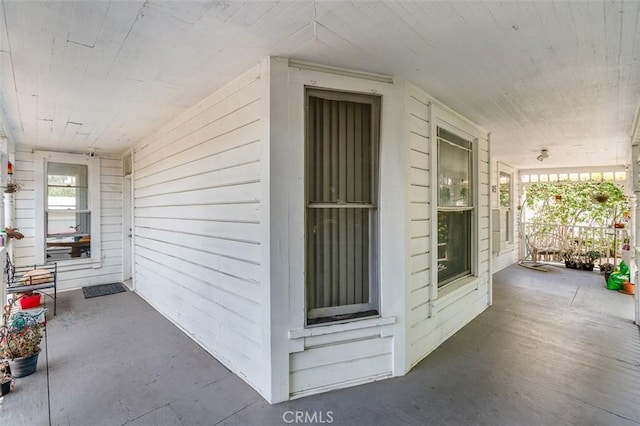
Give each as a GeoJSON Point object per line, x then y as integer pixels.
{"type": "Point", "coordinates": [505, 195]}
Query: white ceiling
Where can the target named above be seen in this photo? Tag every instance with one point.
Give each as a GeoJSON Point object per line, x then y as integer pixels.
{"type": "Point", "coordinates": [558, 75]}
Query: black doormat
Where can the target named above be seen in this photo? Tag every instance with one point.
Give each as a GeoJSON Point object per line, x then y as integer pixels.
{"type": "Point", "coordinates": [102, 290]}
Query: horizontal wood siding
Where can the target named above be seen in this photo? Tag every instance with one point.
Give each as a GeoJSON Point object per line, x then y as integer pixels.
{"type": "Point", "coordinates": [197, 224]}
{"type": "Point", "coordinates": [449, 317]}
{"type": "Point", "coordinates": [340, 360]}
{"type": "Point", "coordinates": [431, 322]}
{"type": "Point", "coordinates": [74, 275]}
{"type": "Point", "coordinates": [420, 259]}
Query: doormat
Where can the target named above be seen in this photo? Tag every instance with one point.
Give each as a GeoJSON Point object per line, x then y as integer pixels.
{"type": "Point", "coordinates": [102, 290]}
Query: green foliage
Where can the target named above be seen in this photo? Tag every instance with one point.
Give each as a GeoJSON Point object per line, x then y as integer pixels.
{"type": "Point", "coordinates": [20, 343]}
{"type": "Point", "coordinates": [556, 203]}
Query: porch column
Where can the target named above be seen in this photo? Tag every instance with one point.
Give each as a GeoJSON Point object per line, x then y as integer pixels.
{"type": "Point", "coordinates": [635, 223]}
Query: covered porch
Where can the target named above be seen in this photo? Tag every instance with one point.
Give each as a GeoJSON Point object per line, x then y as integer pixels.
{"type": "Point", "coordinates": [555, 348]}
{"type": "Point", "coordinates": [172, 145]}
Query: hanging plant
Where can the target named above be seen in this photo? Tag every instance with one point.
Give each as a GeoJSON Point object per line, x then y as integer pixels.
{"type": "Point", "coordinates": [601, 197]}
{"type": "Point", "coordinates": [11, 188]}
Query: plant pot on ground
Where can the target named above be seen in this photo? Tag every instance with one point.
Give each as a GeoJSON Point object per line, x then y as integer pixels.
{"type": "Point", "coordinates": [6, 381]}
{"type": "Point", "coordinates": [19, 344]}
{"type": "Point", "coordinates": [628, 288]}
{"type": "Point", "coordinates": [606, 269]}
{"type": "Point", "coordinates": [5, 385]}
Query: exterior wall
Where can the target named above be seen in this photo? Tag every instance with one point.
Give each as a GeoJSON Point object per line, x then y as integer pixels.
{"type": "Point", "coordinates": [415, 317]}
{"type": "Point", "coordinates": [436, 314]}
{"type": "Point", "coordinates": [72, 275]}
{"type": "Point", "coordinates": [419, 280]}
{"type": "Point", "coordinates": [198, 225]}
{"type": "Point", "coordinates": [322, 358]}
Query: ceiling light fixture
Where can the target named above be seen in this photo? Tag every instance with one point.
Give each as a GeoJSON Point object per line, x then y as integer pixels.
{"type": "Point", "coordinates": [543, 154]}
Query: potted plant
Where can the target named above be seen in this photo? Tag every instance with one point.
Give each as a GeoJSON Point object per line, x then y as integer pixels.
{"type": "Point", "coordinates": [19, 344]}
{"type": "Point", "coordinates": [590, 258]}
{"type": "Point", "coordinates": [606, 269]}
{"type": "Point", "coordinates": [6, 381]}
{"type": "Point", "coordinates": [601, 196]}
{"type": "Point", "coordinates": [570, 260]}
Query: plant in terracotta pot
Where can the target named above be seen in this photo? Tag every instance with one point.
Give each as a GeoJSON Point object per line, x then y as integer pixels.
{"type": "Point", "coordinates": [19, 344]}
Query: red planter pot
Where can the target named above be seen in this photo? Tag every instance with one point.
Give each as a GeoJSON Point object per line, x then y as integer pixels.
{"type": "Point", "coordinates": [628, 288]}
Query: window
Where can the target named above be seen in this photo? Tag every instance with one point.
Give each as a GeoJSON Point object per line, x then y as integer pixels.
{"type": "Point", "coordinates": [342, 132]}
{"type": "Point", "coordinates": [505, 193]}
{"type": "Point", "coordinates": [455, 206]}
{"type": "Point", "coordinates": [67, 211]}
{"type": "Point", "coordinates": [68, 218]}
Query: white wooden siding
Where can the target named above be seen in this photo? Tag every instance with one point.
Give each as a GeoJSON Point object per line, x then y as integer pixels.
{"type": "Point", "coordinates": [339, 360]}
{"type": "Point", "coordinates": [198, 221]}
{"type": "Point", "coordinates": [74, 275]}
{"type": "Point", "coordinates": [431, 322]}
{"type": "Point", "coordinates": [420, 261]}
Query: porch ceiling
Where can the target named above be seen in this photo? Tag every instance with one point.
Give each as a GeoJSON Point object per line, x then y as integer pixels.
{"type": "Point", "coordinates": [557, 75]}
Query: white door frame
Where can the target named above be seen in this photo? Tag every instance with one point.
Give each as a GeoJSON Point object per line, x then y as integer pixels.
{"type": "Point", "coordinates": [127, 230]}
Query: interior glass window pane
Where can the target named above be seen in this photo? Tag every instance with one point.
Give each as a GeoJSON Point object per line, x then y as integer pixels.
{"type": "Point", "coordinates": [67, 186]}
{"type": "Point", "coordinates": [67, 198]}
{"type": "Point", "coordinates": [454, 175]}
{"type": "Point", "coordinates": [68, 235]}
{"type": "Point", "coordinates": [505, 190]}
{"type": "Point", "coordinates": [454, 245]}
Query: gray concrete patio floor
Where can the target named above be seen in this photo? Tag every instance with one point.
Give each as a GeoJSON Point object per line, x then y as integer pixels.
{"type": "Point", "coordinates": [556, 348]}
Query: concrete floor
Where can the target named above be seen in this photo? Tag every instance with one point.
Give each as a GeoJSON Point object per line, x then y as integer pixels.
{"type": "Point", "coordinates": [556, 348]}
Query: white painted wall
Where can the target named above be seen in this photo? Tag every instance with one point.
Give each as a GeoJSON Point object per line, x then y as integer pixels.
{"type": "Point", "coordinates": [219, 234]}
{"type": "Point", "coordinates": [415, 316]}
{"type": "Point", "coordinates": [199, 225]}
{"type": "Point", "coordinates": [73, 274]}
{"type": "Point", "coordinates": [436, 314]}
{"type": "Point", "coordinates": [327, 357]}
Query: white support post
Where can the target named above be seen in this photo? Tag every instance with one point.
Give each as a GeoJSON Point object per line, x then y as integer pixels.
{"type": "Point", "coordinates": [635, 223]}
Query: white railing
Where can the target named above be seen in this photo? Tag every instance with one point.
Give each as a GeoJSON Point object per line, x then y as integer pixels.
{"type": "Point", "coordinates": [577, 241]}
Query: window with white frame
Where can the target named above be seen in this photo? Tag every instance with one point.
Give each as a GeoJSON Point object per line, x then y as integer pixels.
{"type": "Point", "coordinates": [67, 207]}
{"type": "Point", "coordinates": [505, 196]}
{"type": "Point", "coordinates": [456, 206]}
{"type": "Point", "coordinates": [342, 132]}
